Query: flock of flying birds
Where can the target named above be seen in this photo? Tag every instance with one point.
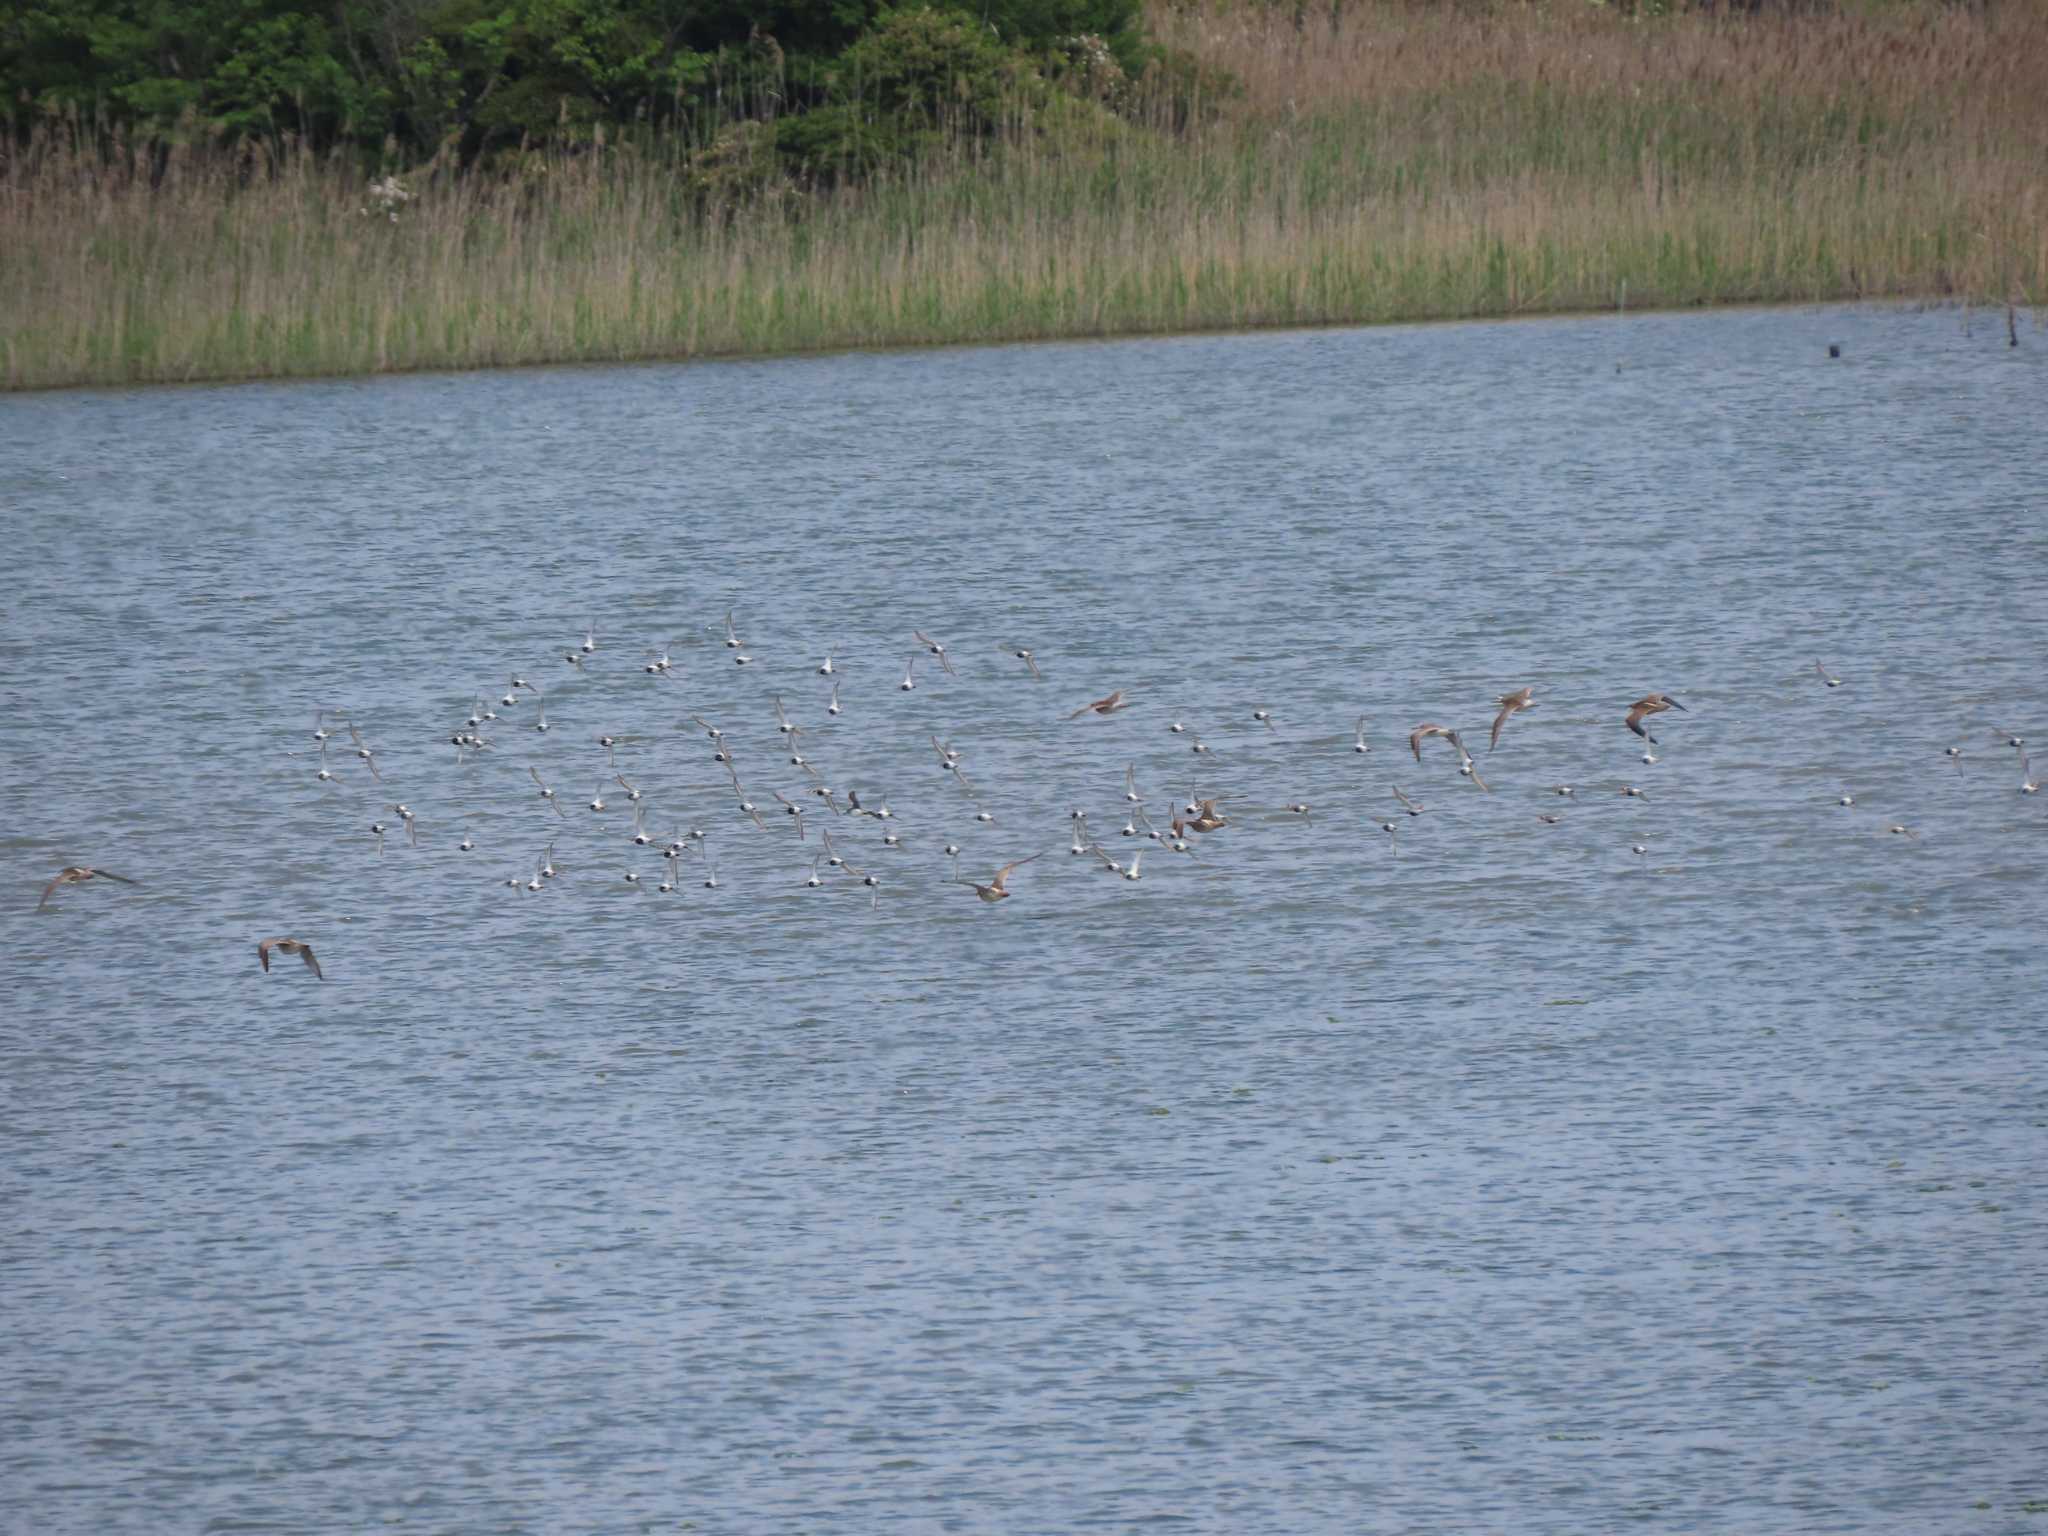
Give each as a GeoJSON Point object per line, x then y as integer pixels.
{"type": "Point", "coordinates": [817, 800]}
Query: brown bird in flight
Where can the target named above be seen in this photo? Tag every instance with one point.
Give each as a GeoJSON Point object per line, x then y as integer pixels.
{"type": "Point", "coordinates": [1108, 706]}
{"type": "Point", "coordinates": [78, 874]}
{"type": "Point", "coordinates": [1421, 733]}
{"type": "Point", "coordinates": [1650, 704]}
{"type": "Point", "coordinates": [995, 890]}
{"type": "Point", "coordinates": [288, 947]}
{"type": "Point", "coordinates": [1510, 703]}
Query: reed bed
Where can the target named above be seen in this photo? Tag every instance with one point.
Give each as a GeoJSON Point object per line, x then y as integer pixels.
{"type": "Point", "coordinates": [1377, 162]}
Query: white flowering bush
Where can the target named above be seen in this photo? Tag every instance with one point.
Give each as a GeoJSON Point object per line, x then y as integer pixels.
{"type": "Point", "coordinates": [1091, 69]}
{"type": "Point", "coordinates": [386, 198]}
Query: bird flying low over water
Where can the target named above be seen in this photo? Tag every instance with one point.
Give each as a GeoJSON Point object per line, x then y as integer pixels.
{"type": "Point", "coordinates": [1422, 733]}
{"type": "Point", "coordinates": [1025, 655]}
{"type": "Point", "coordinates": [1466, 766]}
{"type": "Point", "coordinates": [995, 890]}
{"type": "Point", "coordinates": [78, 874]}
{"type": "Point", "coordinates": [288, 947]}
{"type": "Point", "coordinates": [1104, 706]}
{"type": "Point", "coordinates": [1510, 703]}
{"type": "Point", "coordinates": [1831, 681]}
{"type": "Point", "coordinates": [1650, 704]}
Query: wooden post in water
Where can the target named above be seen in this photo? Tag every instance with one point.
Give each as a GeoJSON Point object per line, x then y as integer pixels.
{"type": "Point", "coordinates": [2012, 326]}
{"type": "Point", "coordinates": [1621, 313]}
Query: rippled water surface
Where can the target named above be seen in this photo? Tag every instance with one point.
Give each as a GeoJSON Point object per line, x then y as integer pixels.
{"type": "Point", "coordinates": [1482, 1175]}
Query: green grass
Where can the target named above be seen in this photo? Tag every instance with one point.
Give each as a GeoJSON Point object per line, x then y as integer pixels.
{"type": "Point", "coordinates": [1404, 164]}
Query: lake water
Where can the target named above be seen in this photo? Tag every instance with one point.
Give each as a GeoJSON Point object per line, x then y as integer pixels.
{"type": "Point", "coordinates": [1485, 1175]}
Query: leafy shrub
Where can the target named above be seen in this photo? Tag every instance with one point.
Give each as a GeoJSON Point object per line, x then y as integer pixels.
{"type": "Point", "coordinates": [936, 68]}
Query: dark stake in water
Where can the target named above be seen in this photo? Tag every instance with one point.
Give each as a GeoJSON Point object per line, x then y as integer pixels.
{"type": "Point", "coordinates": [1536, 1162]}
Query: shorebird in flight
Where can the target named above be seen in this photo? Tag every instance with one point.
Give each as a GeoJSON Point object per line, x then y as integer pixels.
{"type": "Point", "coordinates": [1024, 655]}
{"type": "Point", "coordinates": [909, 674]}
{"type": "Point", "coordinates": [1510, 705]}
{"type": "Point", "coordinates": [1412, 807]}
{"type": "Point", "coordinates": [996, 890]}
{"type": "Point", "coordinates": [1422, 733]}
{"type": "Point", "coordinates": [868, 880]}
{"type": "Point", "coordinates": [1112, 865]}
{"type": "Point", "coordinates": [938, 650]}
{"type": "Point", "coordinates": [732, 639]}
{"type": "Point", "coordinates": [363, 751]}
{"type": "Point", "coordinates": [2028, 783]}
{"type": "Point", "coordinates": [1650, 704]}
{"type": "Point", "coordinates": [1466, 766]}
{"type": "Point", "coordinates": [832, 708]}
{"type": "Point", "coordinates": [793, 809]}
{"type": "Point", "coordinates": [1832, 682]}
{"type": "Point", "coordinates": [747, 807]}
{"type": "Point", "coordinates": [78, 874]}
{"type": "Point", "coordinates": [546, 793]}
{"type": "Point", "coordinates": [1103, 706]}
{"type": "Point", "coordinates": [288, 947]}
{"type": "Point", "coordinates": [1264, 717]}
{"type": "Point", "coordinates": [1359, 745]}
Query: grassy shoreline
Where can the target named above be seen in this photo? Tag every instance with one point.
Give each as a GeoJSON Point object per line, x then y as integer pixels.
{"type": "Point", "coordinates": [1381, 163]}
